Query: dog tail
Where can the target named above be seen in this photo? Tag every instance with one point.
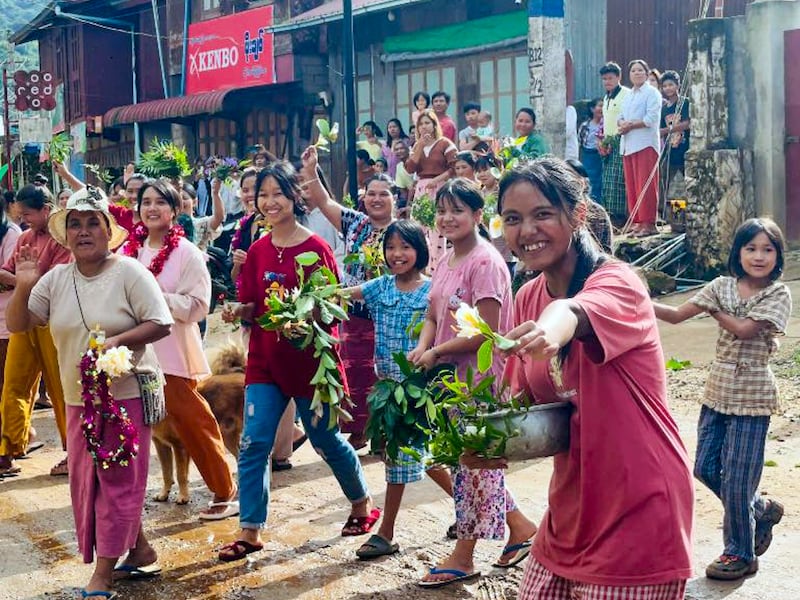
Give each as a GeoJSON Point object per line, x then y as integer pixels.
{"type": "Point", "coordinates": [229, 358]}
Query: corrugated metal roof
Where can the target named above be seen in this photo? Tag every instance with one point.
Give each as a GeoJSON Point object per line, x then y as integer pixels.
{"type": "Point", "coordinates": [332, 11]}
{"type": "Point", "coordinates": [169, 108]}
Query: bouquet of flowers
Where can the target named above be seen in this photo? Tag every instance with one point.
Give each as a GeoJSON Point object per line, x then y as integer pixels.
{"type": "Point", "coordinates": [607, 144]}
{"type": "Point", "coordinates": [111, 436]}
{"type": "Point", "coordinates": [224, 167]}
{"type": "Point", "coordinates": [164, 159]}
{"type": "Point", "coordinates": [423, 211]}
{"type": "Point", "coordinates": [294, 316]}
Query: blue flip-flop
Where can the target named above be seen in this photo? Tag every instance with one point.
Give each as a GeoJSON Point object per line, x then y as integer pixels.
{"type": "Point", "coordinates": [91, 594]}
{"type": "Point", "coordinates": [131, 572]}
{"type": "Point", "coordinates": [521, 552]}
{"type": "Point", "coordinates": [457, 576]}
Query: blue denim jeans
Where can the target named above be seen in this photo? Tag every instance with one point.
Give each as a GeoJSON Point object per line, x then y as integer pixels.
{"type": "Point", "coordinates": [264, 404]}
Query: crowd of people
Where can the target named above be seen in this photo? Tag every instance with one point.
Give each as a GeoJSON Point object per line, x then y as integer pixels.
{"type": "Point", "coordinates": [584, 327]}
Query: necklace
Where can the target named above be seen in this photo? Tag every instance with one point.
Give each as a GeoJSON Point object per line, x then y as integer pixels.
{"type": "Point", "coordinates": [286, 245]}
{"type": "Point", "coordinates": [138, 237]}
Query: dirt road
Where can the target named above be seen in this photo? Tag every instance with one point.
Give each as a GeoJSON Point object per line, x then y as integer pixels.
{"type": "Point", "coordinates": [305, 558]}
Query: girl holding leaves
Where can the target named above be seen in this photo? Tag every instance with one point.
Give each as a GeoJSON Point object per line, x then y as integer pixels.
{"type": "Point", "coordinates": [277, 370]}
{"type": "Point", "coordinates": [472, 272]}
{"type": "Point", "coordinates": [395, 301]}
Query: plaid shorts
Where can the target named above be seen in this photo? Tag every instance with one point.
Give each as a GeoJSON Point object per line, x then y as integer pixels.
{"type": "Point", "coordinates": [405, 470]}
{"type": "Point", "coordinates": [539, 583]}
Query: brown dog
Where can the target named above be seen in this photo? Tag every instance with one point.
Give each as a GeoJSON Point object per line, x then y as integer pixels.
{"type": "Point", "coordinates": [224, 392]}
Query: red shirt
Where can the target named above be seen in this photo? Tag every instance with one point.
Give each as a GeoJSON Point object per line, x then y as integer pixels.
{"type": "Point", "coordinates": [124, 216]}
{"type": "Point", "coordinates": [272, 358]}
{"type": "Point", "coordinates": [51, 253]}
{"type": "Point", "coordinates": [621, 498]}
{"type": "Point", "coordinates": [448, 127]}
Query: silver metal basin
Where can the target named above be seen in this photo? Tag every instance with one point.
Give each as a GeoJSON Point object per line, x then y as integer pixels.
{"type": "Point", "coordinates": [543, 430]}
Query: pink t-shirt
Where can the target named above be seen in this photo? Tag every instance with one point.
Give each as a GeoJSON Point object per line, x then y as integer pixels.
{"type": "Point", "coordinates": [186, 284]}
{"type": "Point", "coordinates": [621, 499]}
{"type": "Point", "coordinates": [481, 274]}
{"type": "Point", "coordinates": [7, 249]}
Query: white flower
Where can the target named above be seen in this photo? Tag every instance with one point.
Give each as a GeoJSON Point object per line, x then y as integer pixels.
{"type": "Point", "coordinates": [468, 321]}
{"type": "Point", "coordinates": [496, 227]}
{"type": "Point", "coordinates": [115, 362]}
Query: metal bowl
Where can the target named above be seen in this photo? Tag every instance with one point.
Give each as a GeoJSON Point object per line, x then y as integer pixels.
{"type": "Point", "coordinates": [543, 430]}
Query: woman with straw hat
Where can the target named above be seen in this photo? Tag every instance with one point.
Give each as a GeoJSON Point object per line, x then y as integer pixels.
{"type": "Point", "coordinates": [100, 301]}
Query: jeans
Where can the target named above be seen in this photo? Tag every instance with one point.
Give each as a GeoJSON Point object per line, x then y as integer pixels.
{"type": "Point", "coordinates": [264, 405]}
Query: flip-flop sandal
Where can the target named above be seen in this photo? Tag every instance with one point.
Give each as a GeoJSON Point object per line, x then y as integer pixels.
{"type": "Point", "coordinates": [239, 549]}
{"type": "Point", "coordinates": [132, 572]}
{"type": "Point", "coordinates": [375, 547]}
{"type": "Point", "coordinates": [521, 552]}
{"type": "Point", "coordinates": [457, 576]}
{"type": "Point", "coordinates": [299, 442]}
{"type": "Point", "coordinates": [10, 472]}
{"type": "Point", "coordinates": [96, 594]}
{"type": "Point", "coordinates": [33, 447]}
{"type": "Point", "coordinates": [281, 465]}
{"type": "Point", "coordinates": [231, 510]}
{"type": "Point", "coordinates": [361, 525]}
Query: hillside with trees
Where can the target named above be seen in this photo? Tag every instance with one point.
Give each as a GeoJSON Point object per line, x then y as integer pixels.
{"type": "Point", "coordinates": [15, 14]}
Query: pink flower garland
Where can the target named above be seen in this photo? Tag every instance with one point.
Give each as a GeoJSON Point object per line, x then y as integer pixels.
{"type": "Point", "coordinates": [137, 238]}
{"type": "Point", "coordinates": [105, 424]}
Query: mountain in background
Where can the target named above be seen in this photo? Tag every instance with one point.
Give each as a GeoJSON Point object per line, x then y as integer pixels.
{"type": "Point", "coordinates": [14, 14]}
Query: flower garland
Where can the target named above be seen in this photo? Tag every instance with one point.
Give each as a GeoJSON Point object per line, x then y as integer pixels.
{"type": "Point", "coordinates": [108, 415]}
{"type": "Point", "coordinates": [137, 238]}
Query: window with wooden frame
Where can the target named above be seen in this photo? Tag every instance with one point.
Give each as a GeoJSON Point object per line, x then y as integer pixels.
{"type": "Point", "coordinates": [429, 80]}
{"type": "Point", "coordinates": [505, 88]}
{"type": "Point", "coordinates": [216, 137]}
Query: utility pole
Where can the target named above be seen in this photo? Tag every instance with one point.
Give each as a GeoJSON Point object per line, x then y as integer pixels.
{"type": "Point", "coordinates": [7, 124]}
{"type": "Point", "coordinates": [350, 117]}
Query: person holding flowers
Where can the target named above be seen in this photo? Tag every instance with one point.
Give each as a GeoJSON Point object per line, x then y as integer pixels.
{"type": "Point", "coordinates": [278, 369]}
{"type": "Point", "coordinates": [619, 517]}
{"type": "Point", "coordinates": [180, 269]}
{"type": "Point", "coordinates": [108, 440]}
{"type": "Point", "coordinates": [363, 235]}
{"type": "Point", "coordinates": [472, 272]}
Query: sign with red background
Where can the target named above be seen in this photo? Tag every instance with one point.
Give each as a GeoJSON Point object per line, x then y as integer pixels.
{"type": "Point", "coordinates": [230, 52]}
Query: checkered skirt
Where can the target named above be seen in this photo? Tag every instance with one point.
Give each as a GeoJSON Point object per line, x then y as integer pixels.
{"type": "Point", "coordinates": [614, 199]}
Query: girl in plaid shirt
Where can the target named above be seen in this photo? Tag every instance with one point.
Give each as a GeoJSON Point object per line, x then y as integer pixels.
{"type": "Point", "coordinates": [752, 308]}
{"type": "Point", "coordinates": [395, 301]}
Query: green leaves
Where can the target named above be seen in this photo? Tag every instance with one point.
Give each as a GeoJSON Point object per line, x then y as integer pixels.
{"type": "Point", "coordinates": [423, 210]}
{"type": "Point", "coordinates": [675, 364]}
{"type": "Point", "coordinates": [60, 147]}
{"type": "Point", "coordinates": [294, 315]}
{"type": "Point", "coordinates": [164, 159]}
{"type": "Point", "coordinates": [485, 356]}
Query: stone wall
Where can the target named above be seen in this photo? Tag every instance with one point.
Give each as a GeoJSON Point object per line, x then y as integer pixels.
{"type": "Point", "coordinates": [719, 173]}
{"type": "Point", "coordinates": [719, 186]}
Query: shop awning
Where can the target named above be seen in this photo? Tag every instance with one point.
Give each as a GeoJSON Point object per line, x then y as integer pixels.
{"type": "Point", "coordinates": [169, 108]}
{"type": "Point", "coordinates": [493, 32]}
{"type": "Point", "coordinates": [332, 11]}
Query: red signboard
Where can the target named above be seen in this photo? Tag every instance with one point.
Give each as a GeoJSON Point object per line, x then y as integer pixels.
{"type": "Point", "coordinates": [230, 52]}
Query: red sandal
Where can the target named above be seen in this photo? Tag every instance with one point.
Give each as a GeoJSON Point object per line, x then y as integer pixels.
{"type": "Point", "coordinates": [238, 550]}
{"type": "Point", "coordinates": [361, 525]}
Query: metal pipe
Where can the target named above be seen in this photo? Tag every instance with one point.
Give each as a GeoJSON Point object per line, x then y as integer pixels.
{"type": "Point", "coordinates": [118, 23]}
{"type": "Point", "coordinates": [350, 116]}
{"type": "Point", "coordinates": [156, 21]}
{"type": "Point", "coordinates": [187, 13]}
